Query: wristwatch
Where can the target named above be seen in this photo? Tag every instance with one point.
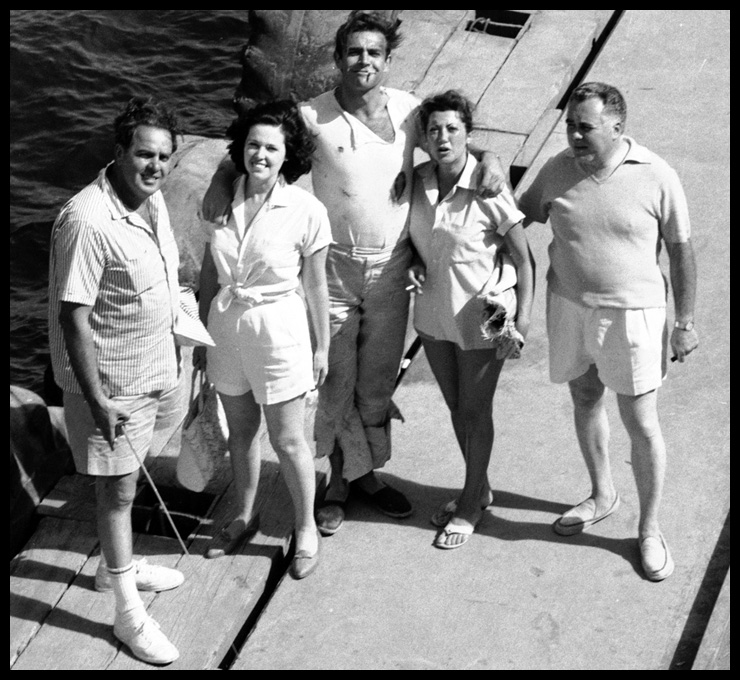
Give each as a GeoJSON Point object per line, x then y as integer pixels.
{"type": "Point", "coordinates": [687, 326]}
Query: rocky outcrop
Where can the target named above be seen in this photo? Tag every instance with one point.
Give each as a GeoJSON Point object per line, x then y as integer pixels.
{"type": "Point", "coordinates": [39, 456]}
{"type": "Point", "coordinates": [290, 53]}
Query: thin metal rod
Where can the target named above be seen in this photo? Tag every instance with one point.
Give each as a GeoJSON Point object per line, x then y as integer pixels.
{"type": "Point", "coordinates": [156, 491]}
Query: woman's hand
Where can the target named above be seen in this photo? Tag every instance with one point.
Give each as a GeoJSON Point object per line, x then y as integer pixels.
{"type": "Point", "coordinates": [416, 275]}
{"type": "Point", "coordinates": [320, 367]}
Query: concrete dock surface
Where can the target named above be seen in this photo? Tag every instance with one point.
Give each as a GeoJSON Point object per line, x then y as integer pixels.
{"type": "Point", "coordinates": [516, 596]}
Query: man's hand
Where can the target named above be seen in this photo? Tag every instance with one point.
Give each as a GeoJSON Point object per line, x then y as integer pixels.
{"type": "Point", "coordinates": [683, 343]}
{"type": "Point", "coordinates": [491, 175]}
{"type": "Point", "coordinates": [217, 200]}
{"type": "Point", "coordinates": [109, 417]}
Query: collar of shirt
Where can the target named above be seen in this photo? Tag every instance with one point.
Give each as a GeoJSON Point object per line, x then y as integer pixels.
{"type": "Point", "coordinates": [429, 177]}
{"type": "Point", "coordinates": [636, 153]}
{"type": "Point", "coordinates": [277, 198]}
{"type": "Point", "coordinates": [360, 133]}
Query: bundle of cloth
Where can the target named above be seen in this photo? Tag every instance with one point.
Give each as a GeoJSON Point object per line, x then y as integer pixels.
{"type": "Point", "coordinates": [499, 312]}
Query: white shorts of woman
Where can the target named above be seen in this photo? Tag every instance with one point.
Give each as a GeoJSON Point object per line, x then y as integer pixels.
{"type": "Point", "coordinates": [263, 348]}
{"type": "Point", "coordinates": [627, 346]}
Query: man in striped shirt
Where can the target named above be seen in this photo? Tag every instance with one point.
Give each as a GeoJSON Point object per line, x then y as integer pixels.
{"type": "Point", "coordinates": [113, 301]}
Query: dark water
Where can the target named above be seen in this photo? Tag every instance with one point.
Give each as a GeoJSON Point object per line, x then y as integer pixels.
{"type": "Point", "coordinates": [70, 72]}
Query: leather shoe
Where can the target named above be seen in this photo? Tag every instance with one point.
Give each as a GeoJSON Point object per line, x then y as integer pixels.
{"type": "Point", "coordinates": [330, 517]}
{"type": "Point", "coordinates": [224, 544]}
{"type": "Point", "coordinates": [304, 564]}
{"type": "Point", "coordinates": [657, 562]}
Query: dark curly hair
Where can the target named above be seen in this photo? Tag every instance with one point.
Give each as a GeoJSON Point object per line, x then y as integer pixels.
{"type": "Point", "coordinates": [368, 20]}
{"type": "Point", "coordinates": [145, 111]}
{"type": "Point", "coordinates": [451, 100]}
{"type": "Point", "coordinates": [284, 114]}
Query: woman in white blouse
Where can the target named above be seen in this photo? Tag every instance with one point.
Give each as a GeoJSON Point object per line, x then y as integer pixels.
{"type": "Point", "coordinates": [465, 247]}
{"type": "Point", "coordinates": [275, 239]}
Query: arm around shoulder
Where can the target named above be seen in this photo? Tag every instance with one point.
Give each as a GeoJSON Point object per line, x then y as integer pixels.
{"type": "Point", "coordinates": [220, 192]}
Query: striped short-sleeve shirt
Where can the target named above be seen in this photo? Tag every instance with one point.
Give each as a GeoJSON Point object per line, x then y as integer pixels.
{"type": "Point", "coordinates": [106, 257]}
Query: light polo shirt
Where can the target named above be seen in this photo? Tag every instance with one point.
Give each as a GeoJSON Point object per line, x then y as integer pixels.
{"type": "Point", "coordinates": [107, 257]}
{"type": "Point", "coordinates": [265, 257]}
{"type": "Point", "coordinates": [457, 237]}
{"type": "Point", "coordinates": [607, 234]}
{"type": "Point", "coordinates": [354, 171]}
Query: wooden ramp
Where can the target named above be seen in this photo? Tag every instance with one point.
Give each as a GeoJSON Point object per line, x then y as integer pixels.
{"type": "Point", "coordinates": [58, 621]}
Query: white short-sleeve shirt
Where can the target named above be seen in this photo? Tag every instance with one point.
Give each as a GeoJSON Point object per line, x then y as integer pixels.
{"type": "Point", "coordinates": [457, 236]}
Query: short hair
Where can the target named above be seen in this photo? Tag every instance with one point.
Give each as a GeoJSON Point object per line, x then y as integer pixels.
{"type": "Point", "coordinates": [609, 95]}
{"type": "Point", "coordinates": [451, 100]}
{"type": "Point", "coordinates": [368, 20]}
{"type": "Point", "coordinates": [145, 111]}
{"type": "Point", "coordinates": [282, 113]}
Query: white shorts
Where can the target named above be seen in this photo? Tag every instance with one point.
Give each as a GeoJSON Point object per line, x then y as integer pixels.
{"type": "Point", "coordinates": [627, 346]}
{"type": "Point", "coordinates": [155, 418]}
{"type": "Point", "coordinates": [265, 349]}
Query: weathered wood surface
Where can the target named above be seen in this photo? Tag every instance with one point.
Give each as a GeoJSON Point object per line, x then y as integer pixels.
{"type": "Point", "coordinates": [41, 575]}
{"type": "Point", "coordinates": [539, 70]}
{"type": "Point", "coordinates": [58, 620]}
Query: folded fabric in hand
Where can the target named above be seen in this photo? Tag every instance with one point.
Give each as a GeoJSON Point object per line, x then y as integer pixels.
{"type": "Point", "coordinates": [189, 330]}
{"type": "Point", "coordinates": [497, 323]}
{"type": "Point", "coordinates": [499, 311]}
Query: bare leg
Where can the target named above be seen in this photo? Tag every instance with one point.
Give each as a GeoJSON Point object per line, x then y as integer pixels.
{"type": "Point", "coordinates": [243, 417]}
{"type": "Point", "coordinates": [443, 360]}
{"type": "Point", "coordinates": [468, 381]}
{"type": "Point", "coordinates": [478, 379]}
{"type": "Point", "coordinates": [592, 430]}
{"type": "Point", "coordinates": [287, 436]}
{"type": "Point", "coordinates": [640, 417]}
{"type": "Point", "coordinates": [115, 498]}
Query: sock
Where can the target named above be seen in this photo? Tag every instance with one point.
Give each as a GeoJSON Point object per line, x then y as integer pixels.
{"type": "Point", "coordinates": [128, 600]}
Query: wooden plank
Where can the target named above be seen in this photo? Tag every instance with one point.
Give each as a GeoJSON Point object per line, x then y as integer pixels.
{"type": "Point", "coordinates": [73, 497]}
{"type": "Point", "coordinates": [535, 143]}
{"type": "Point", "coordinates": [714, 651]}
{"type": "Point", "coordinates": [424, 33]}
{"type": "Point", "coordinates": [41, 574]}
{"type": "Point", "coordinates": [505, 145]}
{"type": "Point", "coordinates": [554, 144]}
{"type": "Point", "coordinates": [468, 62]}
{"type": "Point", "coordinates": [78, 633]}
{"type": "Point", "coordinates": [206, 615]}
{"type": "Point", "coordinates": [540, 68]}
{"type": "Point", "coordinates": [538, 137]}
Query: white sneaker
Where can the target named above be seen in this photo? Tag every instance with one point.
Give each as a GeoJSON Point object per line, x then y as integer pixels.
{"type": "Point", "coordinates": [146, 641]}
{"type": "Point", "coordinates": [149, 577]}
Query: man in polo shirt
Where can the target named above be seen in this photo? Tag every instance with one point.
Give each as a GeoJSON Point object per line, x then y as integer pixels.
{"type": "Point", "coordinates": [612, 204]}
{"type": "Point", "coordinates": [113, 301]}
